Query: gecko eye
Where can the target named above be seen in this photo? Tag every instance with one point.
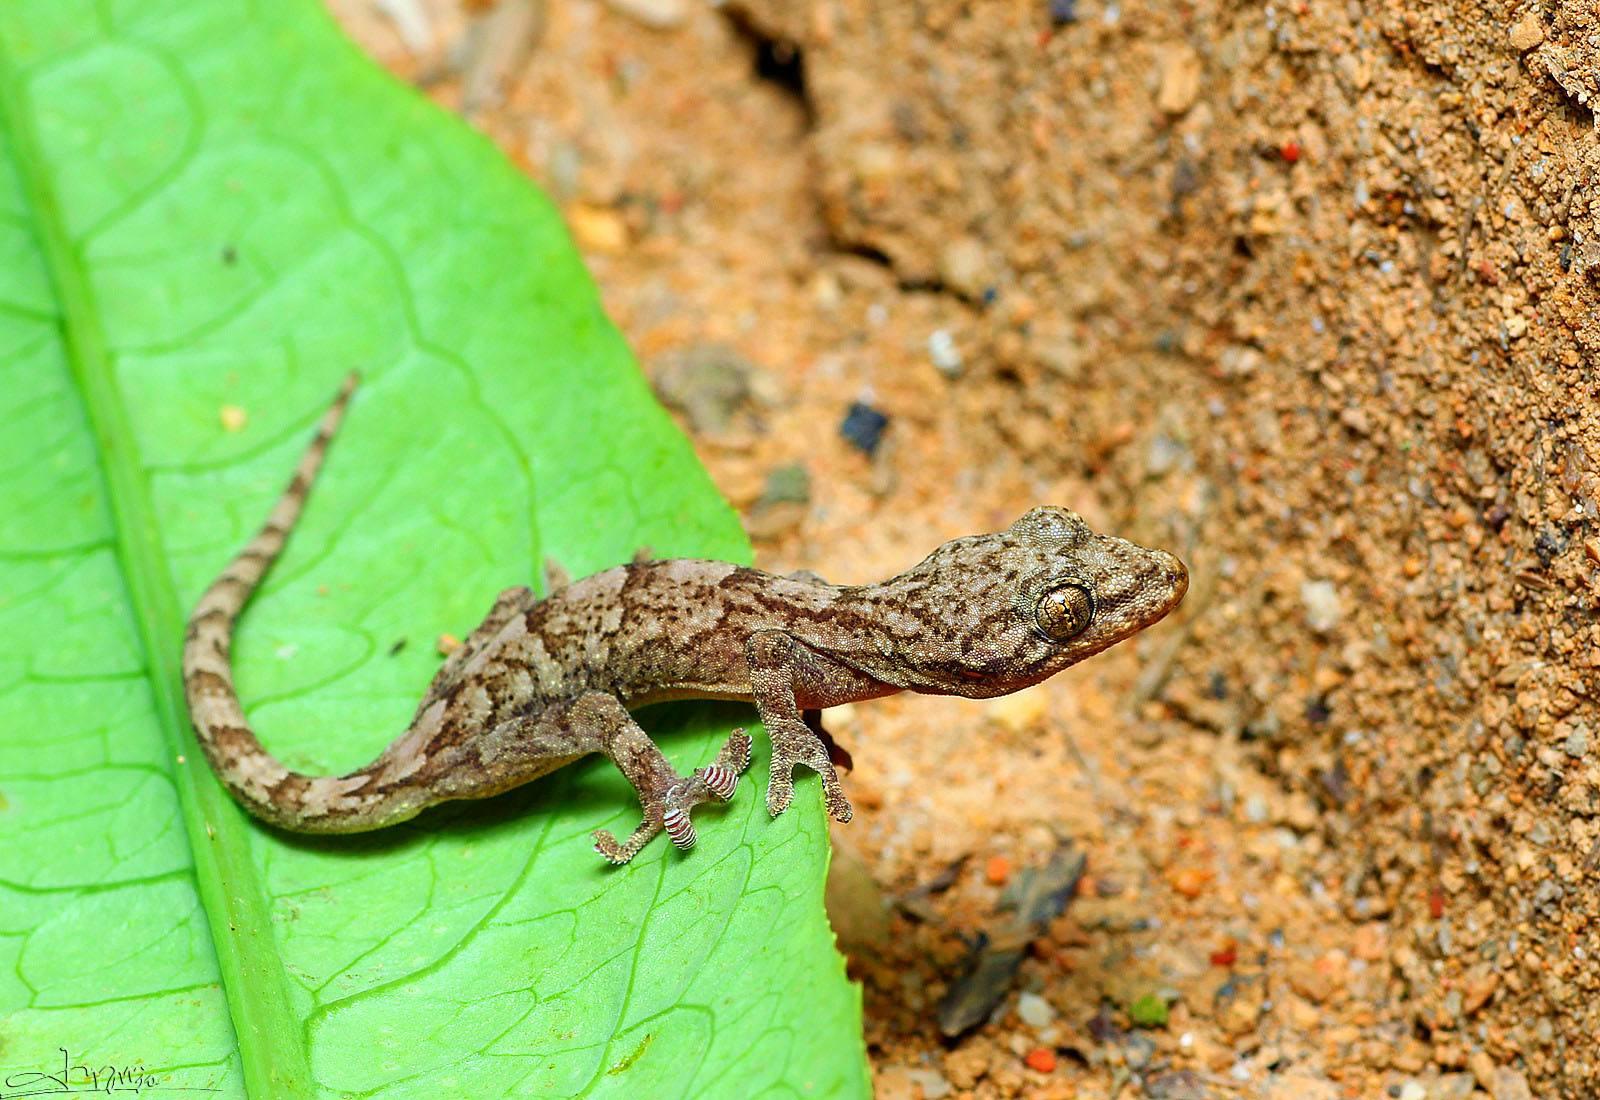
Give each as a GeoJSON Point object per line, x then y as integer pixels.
{"type": "Point", "coordinates": [1065, 612]}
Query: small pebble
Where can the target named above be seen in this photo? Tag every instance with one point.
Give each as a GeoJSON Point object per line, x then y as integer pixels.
{"type": "Point", "coordinates": [1323, 609]}
{"type": "Point", "coordinates": [1063, 12]}
{"type": "Point", "coordinates": [864, 427]}
{"type": "Point", "coordinates": [931, 1082]}
{"type": "Point", "coordinates": [944, 353]}
{"type": "Point", "coordinates": [964, 267]}
{"type": "Point", "coordinates": [1149, 1011]}
{"type": "Point", "coordinates": [1042, 1059]}
{"type": "Point", "coordinates": [1506, 1083]}
{"type": "Point", "coordinates": [1189, 881]}
{"type": "Point", "coordinates": [1413, 1091]}
{"type": "Point", "coordinates": [709, 383]}
{"type": "Point", "coordinates": [658, 15]}
{"type": "Point", "coordinates": [1035, 1011]}
{"type": "Point", "coordinates": [1164, 454]}
{"type": "Point", "coordinates": [598, 228]}
{"type": "Point", "coordinates": [1180, 79]}
{"type": "Point", "coordinates": [997, 870]}
{"type": "Point", "coordinates": [789, 484]}
{"type": "Point", "coordinates": [1528, 32]}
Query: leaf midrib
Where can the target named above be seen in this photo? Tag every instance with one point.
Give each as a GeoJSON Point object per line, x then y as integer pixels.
{"type": "Point", "coordinates": [275, 1061]}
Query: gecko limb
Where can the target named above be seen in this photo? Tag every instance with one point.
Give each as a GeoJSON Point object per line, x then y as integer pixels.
{"type": "Point", "coordinates": [556, 577]}
{"type": "Point", "coordinates": [773, 656]}
{"type": "Point", "coordinates": [836, 752]}
{"type": "Point", "coordinates": [599, 722]}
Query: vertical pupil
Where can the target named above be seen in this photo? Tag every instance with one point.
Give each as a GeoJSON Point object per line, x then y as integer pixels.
{"type": "Point", "coordinates": [1064, 612]}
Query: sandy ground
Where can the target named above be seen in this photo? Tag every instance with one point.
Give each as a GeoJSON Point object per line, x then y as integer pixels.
{"type": "Point", "coordinates": [1302, 292]}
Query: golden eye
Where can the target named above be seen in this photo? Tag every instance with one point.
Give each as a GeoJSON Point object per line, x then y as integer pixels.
{"type": "Point", "coordinates": [1065, 612]}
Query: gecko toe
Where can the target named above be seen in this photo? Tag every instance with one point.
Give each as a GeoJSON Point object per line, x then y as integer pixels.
{"type": "Point", "coordinates": [735, 752]}
{"type": "Point", "coordinates": [679, 829]}
{"type": "Point", "coordinates": [834, 797]}
{"type": "Point", "coordinates": [607, 846]}
{"type": "Point", "coordinates": [779, 795]}
{"type": "Point", "coordinates": [718, 780]}
{"type": "Point", "coordinates": [618, 854]}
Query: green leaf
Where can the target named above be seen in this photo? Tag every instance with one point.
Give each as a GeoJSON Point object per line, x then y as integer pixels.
{"type": "Point", "coordinates": [211, 203]}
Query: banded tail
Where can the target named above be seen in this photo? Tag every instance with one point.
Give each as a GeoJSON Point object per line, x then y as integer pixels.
{"type": "Point", "coordinates": [260, 783]}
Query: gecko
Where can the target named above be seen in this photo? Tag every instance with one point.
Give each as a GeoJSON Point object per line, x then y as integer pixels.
{"type": "Point", "coordinates": [542, 682]}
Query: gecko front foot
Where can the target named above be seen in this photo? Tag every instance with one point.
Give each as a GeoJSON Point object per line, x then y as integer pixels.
{"type": "Point", "coordinates": [793, 743]}
{"type": "Point", "coordinates": [669, 812]}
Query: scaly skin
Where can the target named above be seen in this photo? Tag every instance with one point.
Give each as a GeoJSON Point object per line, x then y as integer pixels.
{"type": "Point", "coordinates": [541, 683]}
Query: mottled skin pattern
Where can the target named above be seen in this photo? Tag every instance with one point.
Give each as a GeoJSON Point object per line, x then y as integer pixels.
{"type": "Point", "coordinates": [541, 683]}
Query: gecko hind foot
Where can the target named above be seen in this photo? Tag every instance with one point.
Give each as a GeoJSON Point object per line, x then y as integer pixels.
{"type": "Point", "coordinates": [795, 744]}
{"type": "Point", "coordinates": [715, 782]}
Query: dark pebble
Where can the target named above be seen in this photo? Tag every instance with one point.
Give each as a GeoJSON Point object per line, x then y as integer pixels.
{"type": "Point", "coordinates": [864, 426]}
{"type": "Point", "coordinates": [1103, 1027]}
{"type": "Point", "coordinates": [1550, 544]}
{"type": "Point", "coordinates": [1063, 12]}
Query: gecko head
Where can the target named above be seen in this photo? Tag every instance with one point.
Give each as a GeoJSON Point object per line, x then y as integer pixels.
{"type": "Point", "coordinates": [1023, 604]}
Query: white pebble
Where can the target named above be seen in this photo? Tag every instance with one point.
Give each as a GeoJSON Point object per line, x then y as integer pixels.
{"type": "Point", "coordinates": [942, 350]}
{"type": "Point", "coordinates": [1323, 609]}
{"type": "Point", "coordinates": [932, 1083]}
{"type": "Point", "coordinates": [659, 15]}
{"type": "Point", "coordinates": [1035, 1011]}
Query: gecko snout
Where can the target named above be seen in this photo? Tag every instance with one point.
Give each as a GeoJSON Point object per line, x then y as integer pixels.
{"type": "Point", "coordinates": [1177, 577]}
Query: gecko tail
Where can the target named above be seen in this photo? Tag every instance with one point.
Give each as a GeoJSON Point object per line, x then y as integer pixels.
{"type": "Point", "coordinates": [256, 778]}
